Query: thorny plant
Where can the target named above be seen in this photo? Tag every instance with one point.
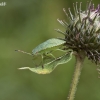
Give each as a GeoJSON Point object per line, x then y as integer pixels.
{"type": "Point", "coordinates": [82, 39]}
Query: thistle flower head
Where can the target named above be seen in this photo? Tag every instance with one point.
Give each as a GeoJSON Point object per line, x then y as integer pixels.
{"type": "Point", "coordinates": [83, 30]}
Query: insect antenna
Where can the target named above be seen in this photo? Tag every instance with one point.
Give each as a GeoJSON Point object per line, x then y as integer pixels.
{"type": "Point", "coordinates": [23, 52]}
{"type": "Point", "coordinates": [24, 68]}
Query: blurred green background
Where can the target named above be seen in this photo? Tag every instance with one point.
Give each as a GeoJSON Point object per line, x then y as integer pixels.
{"type": "Point", "coordinates": [23, 25]}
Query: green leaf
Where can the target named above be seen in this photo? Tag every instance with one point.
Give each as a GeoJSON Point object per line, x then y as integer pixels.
{"type": "Point", "coordinates": [49, 67]}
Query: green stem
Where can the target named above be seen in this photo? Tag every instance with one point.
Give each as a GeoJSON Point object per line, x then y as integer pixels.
{"type": "Point", "coordinates": [77, 73]}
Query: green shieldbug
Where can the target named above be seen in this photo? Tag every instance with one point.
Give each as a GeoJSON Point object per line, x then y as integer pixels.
{"type": "Point", "coordinates": [51, 44]}
{"type": "Point", "coordinates": [44, 49]}
{"type": "Point", "coordinates": [50, 66]}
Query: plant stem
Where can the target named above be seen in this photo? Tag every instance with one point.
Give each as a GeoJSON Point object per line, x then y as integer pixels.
{"type": "Point", "coordinates": [79, 60]}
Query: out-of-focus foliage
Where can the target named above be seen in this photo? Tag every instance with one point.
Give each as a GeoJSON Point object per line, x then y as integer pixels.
{"type": "Point", "coordinates": [23, 25]}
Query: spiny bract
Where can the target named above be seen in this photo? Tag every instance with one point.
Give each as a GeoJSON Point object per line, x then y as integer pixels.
{"type": "Point", "coordinates": [83, 30]}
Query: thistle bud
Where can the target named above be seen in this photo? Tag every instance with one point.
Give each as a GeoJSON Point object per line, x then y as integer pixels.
{"type": "Point", "coordinates": [83, 30]}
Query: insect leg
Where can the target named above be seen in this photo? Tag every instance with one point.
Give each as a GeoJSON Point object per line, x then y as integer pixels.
{"type": "Point", "coordinates": [34, 58]}
{"type": "Point", "coordinates": [62, 50]}
{"type": "Point", "coordinates": [42, 60]}
{"type": "Point", "coordinates": [50, 55]}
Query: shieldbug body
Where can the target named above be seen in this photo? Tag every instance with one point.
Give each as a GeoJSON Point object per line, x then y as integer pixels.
{"type": "Point", "coordinates": [46, 48]}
